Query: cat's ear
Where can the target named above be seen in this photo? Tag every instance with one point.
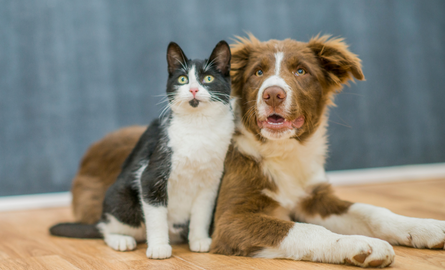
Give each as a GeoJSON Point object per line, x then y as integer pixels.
{"type": "Point", "coordinates": [220, 57]}
{"type": "Point", "coordinates": [175, 57]}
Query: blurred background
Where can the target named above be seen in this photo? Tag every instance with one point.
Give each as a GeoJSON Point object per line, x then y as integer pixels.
{"type": "Point", "coordinates": [72, 71]}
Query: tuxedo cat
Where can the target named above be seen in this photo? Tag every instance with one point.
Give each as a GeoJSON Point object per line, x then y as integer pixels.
{"type": "Point", "coordinates": [168, 185]}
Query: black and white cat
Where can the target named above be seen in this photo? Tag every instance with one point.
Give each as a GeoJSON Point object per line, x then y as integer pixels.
{"type": "Point", "coordinates": [168, 185]}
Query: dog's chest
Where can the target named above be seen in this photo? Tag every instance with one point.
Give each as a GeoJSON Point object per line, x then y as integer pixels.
{"type": "Point", "coordinates": [292, 167]}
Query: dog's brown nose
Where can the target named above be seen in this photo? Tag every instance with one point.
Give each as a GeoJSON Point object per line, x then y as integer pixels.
{"type": "Point", "coordinates": [274, 96]}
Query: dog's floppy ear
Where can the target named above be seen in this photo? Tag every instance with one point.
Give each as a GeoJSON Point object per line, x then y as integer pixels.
{"type": "Point", "coordinates": [241, 51]}
{"type": "Point", "coordinates": [175, 57]}
{"type": "Point", "coordinates": [337, 62]}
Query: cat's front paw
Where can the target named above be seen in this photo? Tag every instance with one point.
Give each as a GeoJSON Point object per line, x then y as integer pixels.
{"type": "Point", "coordinates": [423, 233]}
{"type": "Point", "coordinates": [365, 251]}
{"type": "Point", "coordinates": [159, 251]}
{"type": "Point", "coordinates": [201, 245]}
{"type": "Point", "coordinates": [120, 242]}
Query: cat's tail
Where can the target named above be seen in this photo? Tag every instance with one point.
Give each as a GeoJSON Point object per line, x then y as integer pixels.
{"type": "Point", "coordinates": [76, 230]}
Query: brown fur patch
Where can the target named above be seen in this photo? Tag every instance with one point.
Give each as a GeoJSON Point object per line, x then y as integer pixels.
{"type": "Point", "coordinates": [246, 220]}
{"type": "Point", "coordinates": [322, 201]}
{"type": "Point", "coordinates": [328, 63]}
{"type": "Point", "coordinates": [242, 226]}
{"type": "Point", "coordinates": [99, 169]}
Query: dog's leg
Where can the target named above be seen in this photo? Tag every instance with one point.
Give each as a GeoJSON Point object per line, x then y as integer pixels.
{"type": "Point", "coordinates": [325, 209]}
{"type": "Point", "coordinates": [259, 235]}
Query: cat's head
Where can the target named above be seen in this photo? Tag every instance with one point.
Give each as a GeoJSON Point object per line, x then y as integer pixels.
{"type": "Point", "coordinates": [194, 85]}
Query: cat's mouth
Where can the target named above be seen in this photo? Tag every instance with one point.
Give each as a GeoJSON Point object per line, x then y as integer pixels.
{"type": "Point", "coordinates": [194, 103]}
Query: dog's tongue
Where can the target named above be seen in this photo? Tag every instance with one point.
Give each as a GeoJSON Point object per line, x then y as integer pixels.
{"type": "Point", "coordinates": [275, 119]}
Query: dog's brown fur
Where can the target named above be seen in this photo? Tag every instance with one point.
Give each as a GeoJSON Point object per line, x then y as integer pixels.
{"type": "Point", "coordinates": [99, 169]}
{"type": "Point", "coordinates": [247, 220]}
{"type": "Point", "coordinates": [323, 202]}
{"type": "Point", "coordinates": [328, 60]}
{"type": "Point", "coordinates": [248, 214]}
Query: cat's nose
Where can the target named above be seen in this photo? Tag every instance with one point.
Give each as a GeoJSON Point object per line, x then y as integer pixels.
{"type": "Point", "coordinates": [194, 91]}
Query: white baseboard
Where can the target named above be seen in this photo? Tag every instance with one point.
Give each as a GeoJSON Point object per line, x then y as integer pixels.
{"type": "Point", "coordinates": [337, 178]}
{"type": "Point", "coordinates": [387, 174]}
{"type": "Point", "coordinates": [35, 201]}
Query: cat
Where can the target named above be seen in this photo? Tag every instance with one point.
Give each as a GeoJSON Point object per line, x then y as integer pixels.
{"type": "Point", "coordinates": [168, 185]}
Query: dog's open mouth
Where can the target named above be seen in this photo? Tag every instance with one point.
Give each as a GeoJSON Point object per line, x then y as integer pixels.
{"type": "Point", "coordinates": [278, 123]}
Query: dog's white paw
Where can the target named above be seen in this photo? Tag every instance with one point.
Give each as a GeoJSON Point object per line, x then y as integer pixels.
{"type": "Point", "coordinates": [364, 251]}
{"type": "Point", "coordinates": [201, 245]}
{"type": "Point", "coordinates": [422, 233]}
{"type": "Point", "coordinates": [120, 242]}
{"type": "Point", "coordinates": [159, 251]}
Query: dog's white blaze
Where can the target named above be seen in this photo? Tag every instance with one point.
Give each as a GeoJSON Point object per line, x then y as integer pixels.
{"type": "Point", "coordinates": [275, 80]}
{"type": "Point", "coordinates": [278, 59]}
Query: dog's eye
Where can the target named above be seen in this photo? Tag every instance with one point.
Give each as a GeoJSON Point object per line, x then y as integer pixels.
{"type": "Point", "coordinates": [259, 73]}
{"type": "Point", "coordinates": [300, 72]}
{"type": "Point", "coordinates": [208, 79]}
{"type": "Point", "coordinates": [183, 79]}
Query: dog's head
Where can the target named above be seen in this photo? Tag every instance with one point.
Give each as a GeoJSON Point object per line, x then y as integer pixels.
{"type": "Point", "coordinates": [284, 86]}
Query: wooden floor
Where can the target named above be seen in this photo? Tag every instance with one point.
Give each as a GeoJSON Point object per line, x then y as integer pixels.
{"type": "Point", "coordinates": [26, 244]}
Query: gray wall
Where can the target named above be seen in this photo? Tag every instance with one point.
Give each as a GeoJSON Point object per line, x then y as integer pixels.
{"type": "Point", "coordinates": [71, 71]}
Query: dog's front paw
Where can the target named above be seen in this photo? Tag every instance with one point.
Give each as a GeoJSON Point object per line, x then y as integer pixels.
{"type": "Point", "coordinates": [159, 251]}
{"type": "Point", "coordinates": [365, 251]}
{"type": "Point", "coordinates": [201, 245]}
{"type": "Point", "coordinates": [424, 233]}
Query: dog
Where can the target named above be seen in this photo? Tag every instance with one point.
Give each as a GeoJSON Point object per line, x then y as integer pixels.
{"type": "Point", "coordinates": [275, 200]}
{"type": "Point", "coordinates": [98, 170]}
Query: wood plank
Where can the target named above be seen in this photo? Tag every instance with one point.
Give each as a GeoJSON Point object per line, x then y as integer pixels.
{"type": "Point", "coordinates": [26, 244]}
{"type": "Point", "coordinates": [37, 263]}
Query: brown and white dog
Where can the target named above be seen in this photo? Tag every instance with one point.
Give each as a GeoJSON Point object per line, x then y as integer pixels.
{"type": "Point", "coordinates": [275, 200]}
{"type": "Point", "coordinates": [275, 178]}
{"type": "Point", "coordinates": [98, 170]}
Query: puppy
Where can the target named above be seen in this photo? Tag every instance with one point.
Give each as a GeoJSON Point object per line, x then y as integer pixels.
{"type": "Point", "coordinates": [274, 170]}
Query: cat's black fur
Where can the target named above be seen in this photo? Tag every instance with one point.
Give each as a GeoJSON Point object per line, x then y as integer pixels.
{"type": "Point", "coordinates": [123, 200]}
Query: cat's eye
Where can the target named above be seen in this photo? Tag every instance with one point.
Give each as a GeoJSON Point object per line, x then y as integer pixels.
{"type": "Point", "coordinates": [208, 79]}
{"type": "Point", "coordinates": [183, 79]}
{"type": "Point", "coordinates": [300, 72]}
{"type": "Point", "coordinates": [259, 73]}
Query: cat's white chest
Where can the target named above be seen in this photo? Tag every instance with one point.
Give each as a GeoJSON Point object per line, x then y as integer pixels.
{"type": "Point", "coordinates": [199, 145]}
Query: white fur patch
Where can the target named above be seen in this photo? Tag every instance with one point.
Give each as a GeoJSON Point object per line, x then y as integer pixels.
{"type": "Point", "coordinates": [278, 59]}
{"type": "Point", "coordinates": [292, 166]}
{"type": "Point", "coordinates": [120, 242]}
{"type": "Point", "coordinates": [114, 226]}
{"type": "Point", "coordinates": [314, 243]}
{"type": "Point", "coordinates": [275, 80]}
{"type": "Point", "coordinates": [197, 166]}
{"type": "Point", "coordinates": [183, 95]}
{"type": "Point", "coordinates": [379, 222]}
{"type": "Point", "coordinates": [120, 236]}
{"type": "Point", "coordinates": [157, 231]}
